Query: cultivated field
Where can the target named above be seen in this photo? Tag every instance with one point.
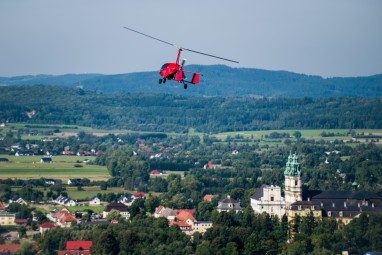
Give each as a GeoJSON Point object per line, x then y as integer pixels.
{"type": "Point", "coordinates": [62, 167]}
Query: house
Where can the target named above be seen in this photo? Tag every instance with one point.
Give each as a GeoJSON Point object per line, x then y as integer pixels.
{"type": "Point", "coordinates": [51, 153]}
{"type": "Point", "coordinates": [7, 219]}
{"type": "Point", "coordinates": [184, 227]}
{"type": "Point", "coordinates": [268, 199]}
{"type": "Point", "coordinates": [229, 204]}
{"type": "Point", "coordinates": [235, 152]}
{"type": "Point", "coordinates": [17, 199]}
{"type": "Point", "coordinates": [167, 213]}
{"type": "Point", "coordinates": [46, 160]}
{"type": "Point", "coordinates": [126, 199]}
{"type": "Point", "coordinates": [208, 197]}
{"type": "Point", "coordinates": [52, 181]}
{"type": "Point", "coordinates": [95, 201]}
{"type": "Point", "coordinates": [62, 200]}
{"type": "Point", "coordinates": [77, 248]}
{"type": "Point", "coordinates": [209, 165]}
{"type": "Point", "coordinates": [4, 160]}
{"type": "Point", "coordinates": [155, 172]}
{"type": "Point", "coordinates": [46, 227]}
{"type": "Point", "coordinates": [185, 214]}
{"type": "Point", "coordinates": [187, 223]}
{"type": "Point", "coordinates": [137, 194]}
{"type": "Point", "coordinates": [202, 226]}
{"type": "Point", "coordinates": [71, 202]}
{"type": "Point", "coordinates": [52, 215]}
{"type": "Point", "coordinates": [121, 208]}
{"type": "Point", "coordinates": [74, 182]}
{"type": "Point", "coordinates": [65, 219]}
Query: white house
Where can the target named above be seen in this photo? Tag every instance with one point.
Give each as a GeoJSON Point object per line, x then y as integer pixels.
{"type": "Point", "coordinates": [94, 201]}
{"type": "Point", "coordinates": [229, 204]}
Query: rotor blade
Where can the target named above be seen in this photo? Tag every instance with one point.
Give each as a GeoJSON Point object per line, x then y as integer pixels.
{"type": "Point", "coordinates": [210, 55]}
{"type": "Point", "coordinates": [150, 36]}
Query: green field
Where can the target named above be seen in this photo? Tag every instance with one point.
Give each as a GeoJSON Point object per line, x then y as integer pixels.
{"type": "Point", "coordinates": [90, 191]}
{"type": "Point", "coordinates": [62, 167]}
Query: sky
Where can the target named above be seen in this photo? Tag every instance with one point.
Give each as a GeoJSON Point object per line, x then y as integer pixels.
{"type": "Point", "coordinates": [330, 38]}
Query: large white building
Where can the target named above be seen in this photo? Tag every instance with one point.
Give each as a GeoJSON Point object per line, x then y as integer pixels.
{"type": "Point", "coordinates": [268, 199]}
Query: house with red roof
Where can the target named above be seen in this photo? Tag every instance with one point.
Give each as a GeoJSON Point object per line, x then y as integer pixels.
{"type": "Point", "coordinates": [184, 227]}
{"type": "Point", "coordinates": [65, 219]}
{"type": "Point", "coordinates": [208, 197]}
{"type": "Point", "coordinates": [155, 172]}
{"type": "Point", "coordinates": [138, 194]}
{"type": "Point", "coordinates": [45, 227]}
{"type": "Point", "coordinates": [76, 247]}
{"type": "Point", "coordinates": [187, 223]}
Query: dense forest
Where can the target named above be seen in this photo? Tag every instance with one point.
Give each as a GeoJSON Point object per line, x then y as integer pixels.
{"type": "Point", "coordinates": [167, 112]}
{"type": "Point", "coordinates": [242, 233]}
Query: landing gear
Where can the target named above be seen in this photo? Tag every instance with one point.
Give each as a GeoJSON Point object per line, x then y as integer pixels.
{"type": "Point", "coordinates": [164, 80]}
{"type": "Point", "coordinates": [184, 85]}
{"type": "Point", "coordinates": [160, 81]}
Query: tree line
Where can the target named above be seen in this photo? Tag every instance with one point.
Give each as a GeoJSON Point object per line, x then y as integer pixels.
{"type": "Point", "coordinates": [176, 113]}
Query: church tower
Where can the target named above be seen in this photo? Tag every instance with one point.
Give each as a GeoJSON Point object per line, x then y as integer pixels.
{"type": "Point", "coordinates": [293, 191]}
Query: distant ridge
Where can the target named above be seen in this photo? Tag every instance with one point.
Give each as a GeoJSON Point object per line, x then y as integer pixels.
{"type": "Point", "coordinates": [217, 80]}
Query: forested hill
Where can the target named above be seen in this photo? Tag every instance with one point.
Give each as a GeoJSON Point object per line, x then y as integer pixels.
{"type": "Point", "coordinates": [218, 80]}
{"type": "Point", "coordinates": [168, 112]}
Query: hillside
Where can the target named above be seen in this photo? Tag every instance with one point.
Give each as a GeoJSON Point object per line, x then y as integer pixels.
{"type": "Point", "coordinates": [217, 80]}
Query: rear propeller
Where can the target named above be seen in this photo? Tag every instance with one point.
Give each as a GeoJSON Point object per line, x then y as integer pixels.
{"type": "Point", "coordinates": [194, 51]}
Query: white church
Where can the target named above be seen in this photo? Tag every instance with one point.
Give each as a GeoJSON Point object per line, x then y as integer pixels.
{"type": "Point", "coordinates": [268, 197]}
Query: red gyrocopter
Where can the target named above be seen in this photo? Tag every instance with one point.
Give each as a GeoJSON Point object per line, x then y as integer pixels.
{"type": "Point", "coordinates": [175, 71]}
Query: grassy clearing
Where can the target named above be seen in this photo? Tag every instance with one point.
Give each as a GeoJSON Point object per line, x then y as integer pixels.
{"type": "Point", "coordinates": [88, 192]}
{"type": "Point", "coordinates": [62, 167]}
{"type": "Point", "coordinates": [97, 209]}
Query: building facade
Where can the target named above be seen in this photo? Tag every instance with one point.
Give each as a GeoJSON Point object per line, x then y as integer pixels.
{"type": "Point", "coordinates": [268, 199]}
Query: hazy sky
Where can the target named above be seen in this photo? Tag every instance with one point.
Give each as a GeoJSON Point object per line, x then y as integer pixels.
{"type": "Point", "coordinates": [323, 37]}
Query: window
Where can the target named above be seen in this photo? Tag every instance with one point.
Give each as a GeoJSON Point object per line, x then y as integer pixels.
{"type": "Point", "coordinates": [341, 214]}
{"type": "Point", "coordinates": [329, 214]}
{"type": "Point", "coordinates": [272, 199]}
{"type": "Point", "coordinates": [295, 182]}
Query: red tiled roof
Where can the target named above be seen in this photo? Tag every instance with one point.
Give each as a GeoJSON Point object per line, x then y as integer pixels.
{"type": "Point", "coordinates": [184, 215]}
{"type": "Point", "coordinates": [21, 221]}
{"type": "Point", "coordinates": [9, 248]}
{"type": "Point", "coordinates": [154, 172]}
{"type": "Point", "coordinates": [159, 209]}
{"type": "Point", "coordinates": [208, 197]}
{"type": "Point", "coordinates": [47, 225]}
{"type": "Point", "coordinates": [66, 252]}
{"type": "Point", "coordinates": [78, 245]}
{"type": "Point", "coordinates": [139, 194]}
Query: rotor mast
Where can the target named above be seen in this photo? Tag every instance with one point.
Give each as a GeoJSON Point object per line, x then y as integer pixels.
{"type": "Point", "coordinates": [178, 56]}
